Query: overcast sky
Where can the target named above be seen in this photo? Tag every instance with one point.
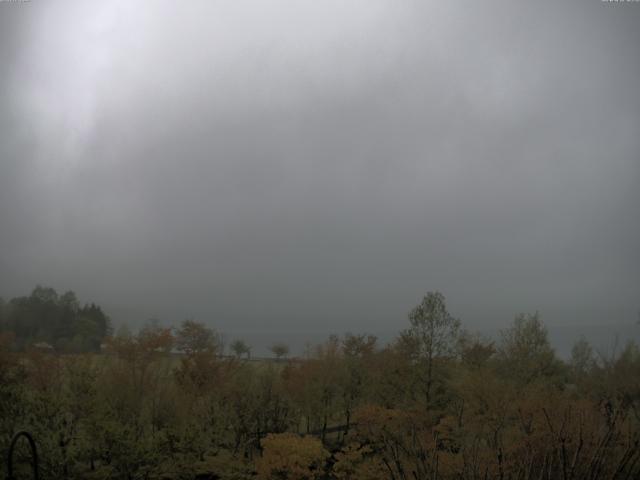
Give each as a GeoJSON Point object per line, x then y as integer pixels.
{"type": "Point", "coordinates": [317, 166]}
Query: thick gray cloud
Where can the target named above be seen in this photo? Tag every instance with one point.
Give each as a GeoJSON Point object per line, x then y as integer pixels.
{"type": "Point", "coordinates": [304, 166]}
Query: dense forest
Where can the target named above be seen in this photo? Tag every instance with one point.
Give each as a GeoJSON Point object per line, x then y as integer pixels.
{"type": "Point", "coordinates": [436, 403]}
{"type": "Point", "coordinates": [58, 321]}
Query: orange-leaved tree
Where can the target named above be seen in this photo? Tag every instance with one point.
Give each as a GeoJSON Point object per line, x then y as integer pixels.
{"type": "Point", "coordinates": [288, 456]}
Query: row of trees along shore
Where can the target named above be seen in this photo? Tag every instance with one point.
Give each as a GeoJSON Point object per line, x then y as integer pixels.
{"type": "Point", "coordinates": [436, 403]}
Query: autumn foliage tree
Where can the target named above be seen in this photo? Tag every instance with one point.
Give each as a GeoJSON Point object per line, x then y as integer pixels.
{"type": "Point", "coordinates": [289, 456]}
{"type": "Point", "coordinates": [199, 365]}
{"type": "Point", "coordinates": [430, 339]}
